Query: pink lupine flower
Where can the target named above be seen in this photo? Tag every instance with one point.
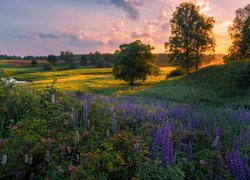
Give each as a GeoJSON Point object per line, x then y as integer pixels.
{"type": "Point", "coordinates": [72, 168]}
{"type": "Point", "coordinates": [14, 127]}
{"type": "Point", "coordinates": [85, 134]}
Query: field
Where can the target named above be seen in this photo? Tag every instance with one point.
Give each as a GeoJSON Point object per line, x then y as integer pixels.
{"type": "Point", "coordinates": [202, 87]}
{"type": "Point", "coordinates": [83, 124]}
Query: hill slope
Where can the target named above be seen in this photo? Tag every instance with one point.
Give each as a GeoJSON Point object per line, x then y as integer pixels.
{"type": "Point", "coordinates": [212, 85]}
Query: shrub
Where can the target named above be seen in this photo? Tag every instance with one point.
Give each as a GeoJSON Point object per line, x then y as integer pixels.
{"type": "Point", "coordinates": [33, 62]}
{"type": "Point", "coordinates": [48, 66]}
{"type": "Point", "coordinates": [176, 72]}
{"type": "Point", "coordinates": [52, 59]}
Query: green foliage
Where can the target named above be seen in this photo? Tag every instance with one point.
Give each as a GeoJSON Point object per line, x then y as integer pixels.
{"type": "Point", "coordinates": [192, 36]}
{"type": "Point", "coordinates": [15, 103]}
{"type": "Point", "coordinates": [176, 72]}
{"type": "Point", "coordinates": [48, 66]}
{"type": "Point", "coordinates": [69, 59]}
{"type": "Point", "coordinates": [33, 62]}
{"type": "Point", "coordinates": [52, 59]}
{"type": "Point", "coordinates": [133, 62]}
{"type": "Point", "coordinates": [84, 60]}
{"type": "Point", "coordinates": [236, 78]}
{"type": "Point", "coordinates": [240, 35]}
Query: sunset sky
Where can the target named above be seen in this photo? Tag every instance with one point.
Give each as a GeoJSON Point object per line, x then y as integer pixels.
{"type": "Point", "coordinates": [42, 27]}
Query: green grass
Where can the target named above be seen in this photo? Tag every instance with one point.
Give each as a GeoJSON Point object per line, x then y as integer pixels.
{"type": "Point", "coordinates": [205, 86]}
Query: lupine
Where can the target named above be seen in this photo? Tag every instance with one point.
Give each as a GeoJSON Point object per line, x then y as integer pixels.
{"type": "Point", "coordinates": [4, 159]}
{"type": "Point", "coordinates": [189, 126]}
{"type": "Point", "coordinates": [26, 158]}
{"type": "Point", "coordinates": [114, 124]}
{"type": "Point", "coordinates": [30, 160]}
{"type": "Point", "coordinates": [217, 136]}
{"type": "Point", "coordinates": [236, 165]}
{"type": "Point", "coordinates": [162, 140]}
{"type": "Point", "coordinates": [53, 99]}
{"type": "Point", "coordinates": [190, 151]}
{"type": "Point", "coordinates": [85, 114]}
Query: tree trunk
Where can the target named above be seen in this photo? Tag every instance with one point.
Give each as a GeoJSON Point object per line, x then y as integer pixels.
{"type": "Point", "coordinates": [132, 81]}
{"type": "Point", "coordinates": [196, 66]}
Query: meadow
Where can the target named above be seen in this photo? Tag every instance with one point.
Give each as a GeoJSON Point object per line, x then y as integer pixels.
{"type": "Point", "coordinates": [83, 124]}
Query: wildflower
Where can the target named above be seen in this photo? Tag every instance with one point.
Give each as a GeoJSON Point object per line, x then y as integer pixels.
{"type": "Point", "coordinates": [78, 158]}
{"type": "Point", "coordinates": [32, 175]}
{"type": "Point", "coordinates": [49, 140]}
{"type": "Point", "coordinates": [114, 124]}
{"type": "Point", "coordinates": [85, 134]}
{"type": "Point", "coordinates": [137, 145]}
{"type": "Point", "coordinates": [30, 159]}
{"type": "Point", "coordinates": [18, 174]}
{"type": "Point", "coordinates": [190, 151]}
{"type": "Point", "coordinates": [235, 164]}
{"type": "Point", "coordinates": [59, 168]}
{"type": "Point", "coordinates": [107, 133]}
{"type": "Point", "coordinates": [53, 99]}
{"type": "Point", "coordinates": [4, 159]}
{"type": "Point", "coordinates": [72, 168]}
{"type": "Point", "coordinates": [1, 141]}
{"type": "Point", "coordinates": [47, 153]}
{"type": "Point", "coordinates": [217, 136]}
{"type": "Point", "coordinates": [14, 127]}
{"type": "Point", "coordinates": [26, 158]}
{"type": "Point", "coordinates": [63, 148]}
{"type": "Point", "coordinates": [69, 149]}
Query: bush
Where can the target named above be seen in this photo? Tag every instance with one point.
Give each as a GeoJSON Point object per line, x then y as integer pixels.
{"type": "Point", "coordinates": [48, 66]}
{"type": "Point", "coordinates": [176, 72]}
{"type": "Point", "coordinates": [33, 62]}
{"type": "Point", "coordinates": [52, 59]}
{"type": "Point", "coordinates": [235, 79]}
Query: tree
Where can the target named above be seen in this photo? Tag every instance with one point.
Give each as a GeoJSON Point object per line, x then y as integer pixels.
{"type": "Point", "coordinates": [84, 60]}
{"type": "Point", "coordinates": [69, 59]}
{"type": "Point", "coordinates": [191, 36]}
{"type": "Point", "coordinates": [52, 59]}
{"type": "Point", "coordinates": [134, 61]}
{"type": "Point", "coordinates": [33, 62]}
{"type": "Point", "coordinates": [240, 35]}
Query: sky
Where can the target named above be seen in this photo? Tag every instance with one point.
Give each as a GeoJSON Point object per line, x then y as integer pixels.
{"type": "Point", "coordinates": [43, 27]}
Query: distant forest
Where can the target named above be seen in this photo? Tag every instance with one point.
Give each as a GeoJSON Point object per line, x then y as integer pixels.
{"type": "Point", "coordinates": [106, 59]}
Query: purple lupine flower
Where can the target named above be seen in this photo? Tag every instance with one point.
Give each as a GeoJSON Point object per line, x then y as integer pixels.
{"type": "Point", "coordinates": [156, 143]}
{"type": "Point", "coordinates": [1, 141]}
{"type": "Point", "coordinates": [74, 116]}
{"type": "Point", "coordinates": [236, 165]}
{"type": "Point", "coordinates": [217, 136]}
{"type": "Point", "coordinates": [162, 141]}
{"type": "Point", "coordinates": [167, 152]}
{"type": "Point", "coordinates": [189, 126]}
{"type": "Point", "coordinates": [217, 131]}
{"type": "Point", "coordinates": [85, 114]}
{"type": "Point", "coordinates": [235, 145]}
{"type": "Point", "coordinates": [18, 173]}
{"type": "Point", "coordinates": [190, 151]}
{"type": "Point", "coordinates": [114, 124]}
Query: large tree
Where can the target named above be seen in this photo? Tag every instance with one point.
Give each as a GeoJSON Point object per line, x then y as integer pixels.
{"type": "Point", "coordinates": [240, 35]}
{"type": "Point", "coordinates": [134, 61]}
{"type": "Point", "coordinates": [191, 36]}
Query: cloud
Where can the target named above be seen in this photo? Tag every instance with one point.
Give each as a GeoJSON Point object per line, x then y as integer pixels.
{"type": "Point", "coordinates": [129, 6]}
{"type": "Point", "coordinates": [49, 36]}
{"type": "Point", "coordinates": [27, 37]}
